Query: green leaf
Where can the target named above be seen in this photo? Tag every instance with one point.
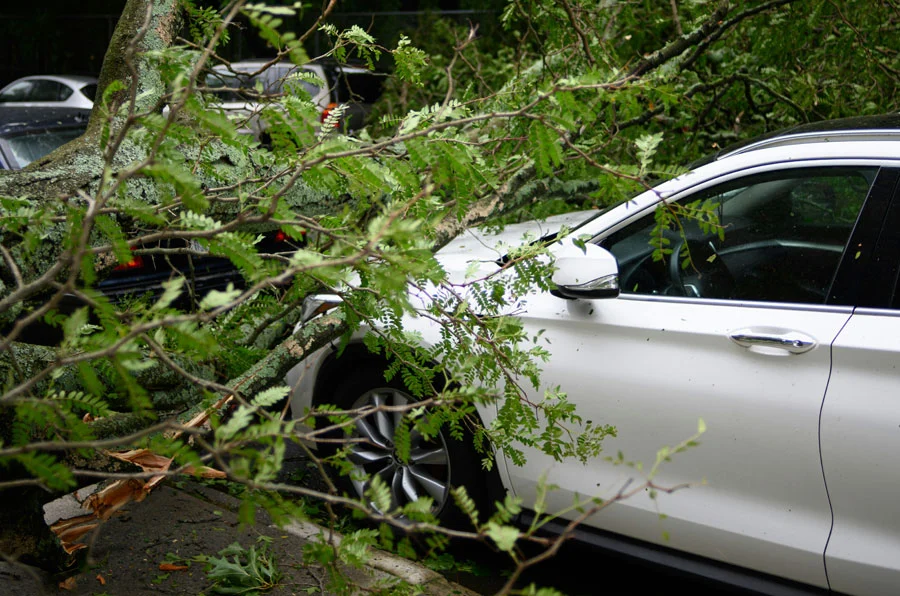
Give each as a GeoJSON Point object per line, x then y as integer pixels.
{"type": "Point", "coordinates": [380, 493]}
{"type": "Point", "coordinates": [286, 11]}
{"type": "Point", "coordinates": [74, 326]}
{"type": "Point", "coordinates": [270, 396]}
{"type": "Point", "coordinates": [409, 62]}
{"type": "Point", "coordinates": [217, 298]}
{"type": "Point", "coordinates": [186, 185]}
{"type": "Point", "coordinates": [110, 228]}
{"type": "Point", "coordinates": [544, 144]}
{"type": "Point", "coordinates": [238, 422]}
{"type": "Point", "coordinates": [466, 504]}
{"type": "Point", "coordinates": [171, 291]}
{"type": "Point", "coordinates": [46, 468]}
{"type": "Point", "coordinates": [647, 145]}
{"type": "Point", "coordinates": [503, 536]}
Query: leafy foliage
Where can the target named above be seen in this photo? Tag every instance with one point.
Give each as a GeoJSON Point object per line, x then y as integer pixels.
{"type": "Point", "coordinates": [243, 571]}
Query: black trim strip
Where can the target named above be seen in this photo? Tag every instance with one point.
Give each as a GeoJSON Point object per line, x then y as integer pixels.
{"type": "Point", "coordinates": [722, 573]}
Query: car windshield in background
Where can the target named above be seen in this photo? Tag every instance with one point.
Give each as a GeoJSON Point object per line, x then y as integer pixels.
{"type": "Point", "coordinates": [29, 147]}
{"type": "Point", "coordinates": [28, 133]}
{"type": "Point", "coordinates": [242, 87]}
{"type": "Point", "coordinates": [364, 86]}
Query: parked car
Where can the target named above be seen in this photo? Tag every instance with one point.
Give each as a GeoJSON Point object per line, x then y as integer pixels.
{"type": "Point", "coordinates": [244, 87]}
{"type": "Point", "coordinates": [50, 90]}
{"type": "Point", "coordinates": [29, 133]}
{"type": "Point", "coordinates": [143, 276]}
{"type": "Point", "coordinates": [782, 333]}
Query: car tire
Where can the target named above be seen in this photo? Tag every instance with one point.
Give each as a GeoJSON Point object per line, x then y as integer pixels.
{"type": "Point", "coordinates": [435, 466]}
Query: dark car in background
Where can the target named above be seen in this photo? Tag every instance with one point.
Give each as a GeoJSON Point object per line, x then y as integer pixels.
{"type": "Point", "coordinates": [31, 132]}
{"type": "Point", "coordinates": [144, 274]}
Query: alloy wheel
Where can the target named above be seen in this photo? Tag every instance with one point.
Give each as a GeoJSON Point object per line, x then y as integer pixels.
{"type": "Point", "coordinates": [425, 473]}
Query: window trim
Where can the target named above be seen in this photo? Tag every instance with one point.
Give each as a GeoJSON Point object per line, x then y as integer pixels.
{"type": "Point", "coordinates": [755, 304]}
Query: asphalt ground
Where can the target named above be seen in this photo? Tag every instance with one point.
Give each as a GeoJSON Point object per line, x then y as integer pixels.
{"type": "Point", "coordinates": [150, 548]}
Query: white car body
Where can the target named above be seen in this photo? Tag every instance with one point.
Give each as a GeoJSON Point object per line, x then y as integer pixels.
{"type": "Point", "coordinates": [50, 90]}
{"type": "Point", "coordinates": [795, 478]}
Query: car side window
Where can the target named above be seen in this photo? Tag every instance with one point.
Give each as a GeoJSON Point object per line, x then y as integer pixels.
{"type": "Point", "coordinates": [775, 237]}
{"type": "Point", "coordinates": [21, 91]}
{"type": "Point", "coordinates": [89, 91]}
{"type": "Point", "coordinates": [44, 90]}
{"type": "Point", "coordinates": [273, 81]}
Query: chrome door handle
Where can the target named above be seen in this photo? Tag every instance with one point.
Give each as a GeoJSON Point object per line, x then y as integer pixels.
{"type": "Point", "coordinates": [790, 341]}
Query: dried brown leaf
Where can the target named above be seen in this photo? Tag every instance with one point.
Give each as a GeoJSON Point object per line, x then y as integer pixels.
{"type": "Point", "coordinates": [205, 472]}
{"type": "Point", "coordinates": [70, 537]}
{"type": "Point", "coordinates": [68, 583]}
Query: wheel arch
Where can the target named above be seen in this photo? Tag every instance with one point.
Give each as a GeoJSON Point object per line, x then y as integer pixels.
{"type": "Point", "coordinates": [356, 355]}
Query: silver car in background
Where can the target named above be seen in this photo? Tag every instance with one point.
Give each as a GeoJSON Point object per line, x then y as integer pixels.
{"type": "Point", "coordinates": [50, 90]}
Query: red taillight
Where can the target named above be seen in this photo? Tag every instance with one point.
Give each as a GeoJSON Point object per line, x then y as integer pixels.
{"type": "Point", "coordinates": [280, 236]}
{"type": "Point", "coordinates": [326, 112]}
{"type": "Point", "coordinates": [135, 263]}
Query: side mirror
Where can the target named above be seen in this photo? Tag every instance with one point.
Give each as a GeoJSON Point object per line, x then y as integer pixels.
{"type": "Point", "coordinates": [587, 273]}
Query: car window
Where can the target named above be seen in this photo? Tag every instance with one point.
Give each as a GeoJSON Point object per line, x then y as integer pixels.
{"type": "Point", "coordinates": [233, 87]}
{"type": "Point", "coordinates": [44, 90]}
{"type": "Point", "coordinates": [774, 237]}
{"type": "Point", "coordinates": [17, 92]}
{"type": "Point", "coordinates": [363, 87]}
{"type": "Point", "coordinates": [28, 147]}
{"type": "Point", "coordinates": [236, 86]}
{"type": "Point", "coordinates": [89, 91]}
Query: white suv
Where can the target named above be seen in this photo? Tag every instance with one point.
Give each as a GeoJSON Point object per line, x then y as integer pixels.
{"type": "Point", "coordinates": [782, 334]}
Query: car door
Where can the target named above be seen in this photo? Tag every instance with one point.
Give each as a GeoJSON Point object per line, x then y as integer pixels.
{"type": "Point", "coordinates": [736, 332]}
{"type": "Point", "coordinates": [860, 430]}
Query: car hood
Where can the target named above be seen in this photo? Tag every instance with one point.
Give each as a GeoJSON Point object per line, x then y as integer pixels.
{"type": "Point", "coordinates": [487, 245]}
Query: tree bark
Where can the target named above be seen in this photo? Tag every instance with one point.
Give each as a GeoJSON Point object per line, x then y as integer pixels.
{"type": "Point", "coordinates": [77, 166]}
